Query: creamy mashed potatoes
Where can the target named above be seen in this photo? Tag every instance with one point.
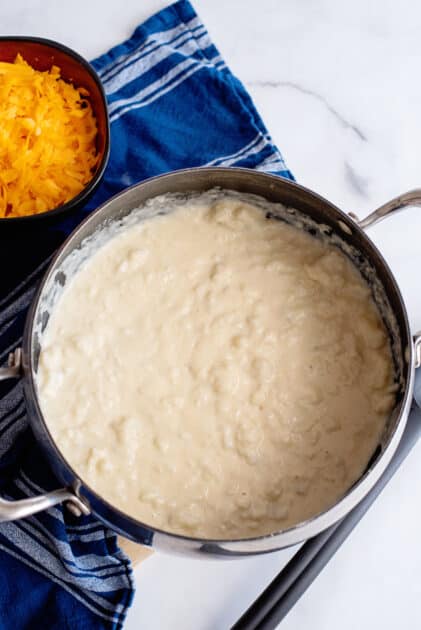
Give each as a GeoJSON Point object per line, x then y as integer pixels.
{"type": "Point", "coordinates": [216, 373]}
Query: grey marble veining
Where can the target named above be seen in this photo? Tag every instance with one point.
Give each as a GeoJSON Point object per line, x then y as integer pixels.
{"type": "Point", "coordinates": [294, 86]}
{"type": "Point", "coordinates": [337, 84]}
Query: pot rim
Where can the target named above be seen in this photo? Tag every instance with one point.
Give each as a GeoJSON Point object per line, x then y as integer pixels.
{"type": "Point", "coordinates": [267, 542]}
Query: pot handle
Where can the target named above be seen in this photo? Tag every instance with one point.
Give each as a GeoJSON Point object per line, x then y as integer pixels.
{"type": "Point", "coordinates": [14, 366]}
{"type": "Point", "coordinates": [13, 510]}
{"type": "Point", "coordinates": [417, 350]}
{"type": "Point", "coordinates": [411, 198]}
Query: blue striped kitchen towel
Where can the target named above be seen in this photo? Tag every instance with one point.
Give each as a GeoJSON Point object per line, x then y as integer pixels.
{"type": "Point", "coordinates": [173, 103]}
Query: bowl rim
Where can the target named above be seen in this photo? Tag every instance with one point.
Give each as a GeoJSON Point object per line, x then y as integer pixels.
{"type": "Point", "coordinates": [93, 183]}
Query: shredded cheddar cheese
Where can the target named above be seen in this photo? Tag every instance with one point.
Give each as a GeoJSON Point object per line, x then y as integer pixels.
{"type": "Point", "coordinates": [47, 139]}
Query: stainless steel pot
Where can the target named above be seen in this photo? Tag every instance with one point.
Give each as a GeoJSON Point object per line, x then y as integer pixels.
{"type": "Point", "coordinates": [79, 496]}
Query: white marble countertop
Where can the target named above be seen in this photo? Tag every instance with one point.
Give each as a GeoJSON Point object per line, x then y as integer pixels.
{"type": "Point", "coordinates": [337, 85]}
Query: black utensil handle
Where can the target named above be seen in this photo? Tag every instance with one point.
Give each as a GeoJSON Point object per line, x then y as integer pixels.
{"type": "Point", "coordinates": [284, 591]}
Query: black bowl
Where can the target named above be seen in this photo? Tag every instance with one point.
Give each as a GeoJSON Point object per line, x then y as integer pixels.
{"type": "Point", "coordinates": [41, 54]}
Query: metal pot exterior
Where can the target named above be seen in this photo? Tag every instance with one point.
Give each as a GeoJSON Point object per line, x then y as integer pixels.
{"type": "Point", "coordinates": [274, 189]}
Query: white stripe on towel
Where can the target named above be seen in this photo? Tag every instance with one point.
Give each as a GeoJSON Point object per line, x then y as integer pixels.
{"type": "Point", "coordinates": [233, 156]}
{"type": "Point", "coordinates": [74, 565]}
{"type": "Point", "coordinates": [62, 583]}
{"type": "Point", "coordinates": [22, 539]}
{"type": "Point", "coordinates": [144, 64]}
{"type": "Point", "coordinates": [156, 87]}
{"type": "Point", "coordinates": [136, 105]}
{"type": "Point", "coordinates": [160, 38]}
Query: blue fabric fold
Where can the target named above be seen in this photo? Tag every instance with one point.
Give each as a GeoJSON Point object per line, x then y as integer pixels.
{"type": "Point", "coordinates": [173, 103]}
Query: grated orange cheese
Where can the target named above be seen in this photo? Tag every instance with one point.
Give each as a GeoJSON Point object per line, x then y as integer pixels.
{"type": "Point", "coordinates": [47, 139]}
